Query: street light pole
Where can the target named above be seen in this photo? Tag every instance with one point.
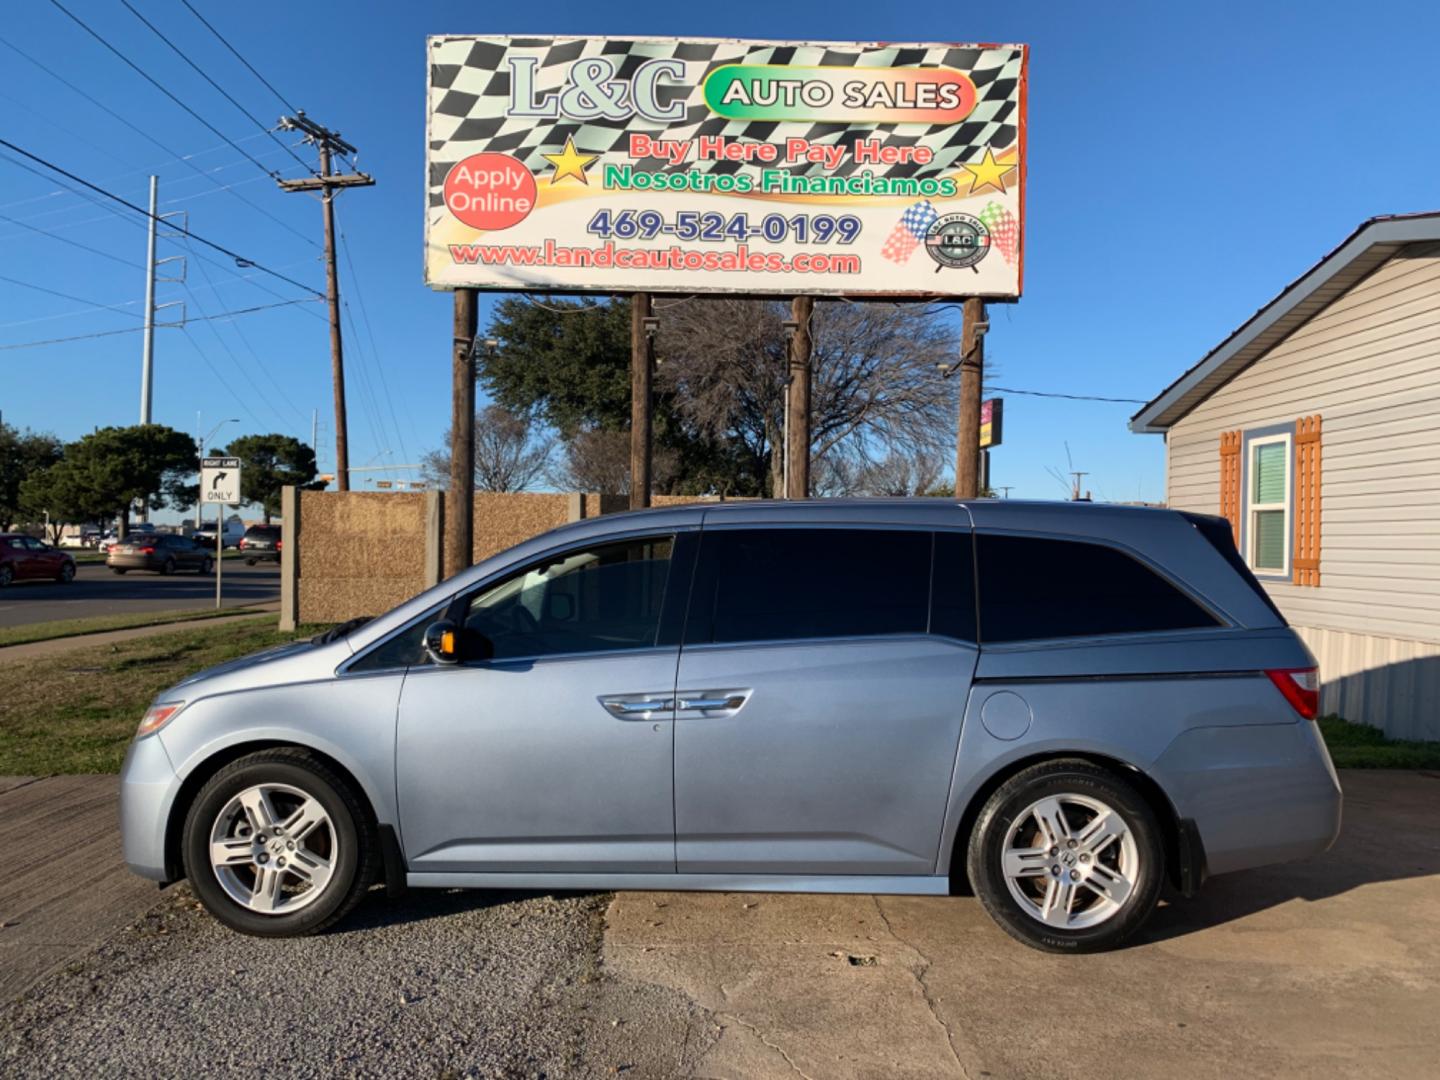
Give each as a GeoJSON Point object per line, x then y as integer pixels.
{"type": "Point", "coordinates": [200, 453]}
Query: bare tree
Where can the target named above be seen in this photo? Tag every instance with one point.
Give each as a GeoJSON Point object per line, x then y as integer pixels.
{"type": "Point", "coordinates": [512, 452]}
{"type": "Point", "coordinates": [898, 473]}
{"type": "Point", "coordinates": [876, 388]}
{"type": "Point", "coordinates": [599, 460]}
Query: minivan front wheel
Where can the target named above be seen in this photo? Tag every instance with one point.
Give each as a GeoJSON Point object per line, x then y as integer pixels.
{"type": "Point", "coordinates": [278, 845]}
{"type": "Point", "coordinates": [1067, 857]}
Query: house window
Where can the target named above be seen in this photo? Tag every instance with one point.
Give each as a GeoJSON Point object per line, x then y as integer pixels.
{"type": "Point", "coordinates": [1268, 505]}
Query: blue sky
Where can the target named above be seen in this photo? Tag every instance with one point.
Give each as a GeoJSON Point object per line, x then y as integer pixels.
{"type": "Point", "coordinates": [1186, 161]}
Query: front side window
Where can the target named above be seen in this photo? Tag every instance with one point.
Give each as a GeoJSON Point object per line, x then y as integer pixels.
{"type": "Point", "coordinates": [783, 584]}
{"type": "Point", "coordinates": [593, 600]}
{"type": "Point", "coordinates": [1034, 588]}
{"type": "Point", "coordinates": [1268, 505]}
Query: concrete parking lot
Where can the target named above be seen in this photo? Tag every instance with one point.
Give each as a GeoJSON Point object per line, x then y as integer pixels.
{"type": "Point", "coordinates": [1330, 967]}
{"type": "Point", "coordinates": [96, 591]}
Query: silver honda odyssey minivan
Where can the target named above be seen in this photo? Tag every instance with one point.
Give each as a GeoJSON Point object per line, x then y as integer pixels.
{"type": "Point", "coordinates": [1059, 707]}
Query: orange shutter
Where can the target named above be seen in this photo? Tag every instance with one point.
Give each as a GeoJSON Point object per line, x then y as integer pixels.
{"type": "Point", "coordinates": [1230, 480]}
{"type": "Point", "coordinates": [1306, 560]}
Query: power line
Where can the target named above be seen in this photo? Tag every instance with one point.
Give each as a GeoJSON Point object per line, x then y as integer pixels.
{"type": "Point", "coordinates": [220, 378]}
{"type": "Point", "coordinates": [374, 351]}
{"type": "Point", "coordinates": [137, 329]}
{"type": "Point", "coordinates": [93, 304]}
{"type": "Point", "coordinates": [156, 83]}
{"type": "Point", "coordinates": [239, 259]}
{"type": "Point", "coordinates": [74, 243]}
{"type": "Point", "coordinates": [234, 52]}
{"type": "Point", "coordinates": [174, 156]}
{"type": "Point", "coordinates": [217, 87]}
{"type": "Point", "coordinates": [256, 356]}
{"type": "Point", "coordinates": [1068, 397]}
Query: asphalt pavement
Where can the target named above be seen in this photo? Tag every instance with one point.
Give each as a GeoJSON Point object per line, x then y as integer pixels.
{"type": "Point", "coordinates": [1327, 967]}
{"type": "Point", "coordinates": [96, 591]}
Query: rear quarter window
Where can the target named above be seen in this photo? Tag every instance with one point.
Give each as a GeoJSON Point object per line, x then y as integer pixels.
{"type": "Point", "coordinates": [1033, 588]}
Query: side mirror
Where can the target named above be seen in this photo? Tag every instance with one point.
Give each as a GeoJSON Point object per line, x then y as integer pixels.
{"type": "Point", "coordinates": [449, 643]}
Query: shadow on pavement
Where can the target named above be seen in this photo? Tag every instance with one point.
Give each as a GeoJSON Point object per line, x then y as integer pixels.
{"type": "Point", "coordinates": [420, 905]}
{"type": "Point", "coordinates": [1388, 834]}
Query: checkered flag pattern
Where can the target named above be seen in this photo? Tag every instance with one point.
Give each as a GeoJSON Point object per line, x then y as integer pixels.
{"type": "Point", "coordinates": [1004, 230]}
{"type": "Point", "coordinates": [470, 93]}
{"type": "Point", "coordinates": [909, 231]}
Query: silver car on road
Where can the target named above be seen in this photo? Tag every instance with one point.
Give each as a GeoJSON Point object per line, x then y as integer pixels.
{"type": "Point", "coordinates": [1059, 707]}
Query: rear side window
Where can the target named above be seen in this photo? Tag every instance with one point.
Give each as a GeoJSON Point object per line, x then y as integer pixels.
{"type": "Point", "coordinates": [1031, 589]}
{"type": "Point", "coordinates": [779, 584]}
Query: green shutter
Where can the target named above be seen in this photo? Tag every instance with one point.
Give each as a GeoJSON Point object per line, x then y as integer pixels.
{"type": "Point", "coordinates": [1268, 485]}
{"type": "Point", "coordinates": [1269, 538]}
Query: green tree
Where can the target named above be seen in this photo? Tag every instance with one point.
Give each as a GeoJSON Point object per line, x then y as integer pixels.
{"type": "Point", "coordinates": [22, 455]}
{"type": "Point", "coordinates": [112, 469]}
{"type": "Point", "coordinates": [269, 463]}
{"type": "Point", "coordinates": [568, 364]}
{"type": "Point", "coordinates": [57, 492]}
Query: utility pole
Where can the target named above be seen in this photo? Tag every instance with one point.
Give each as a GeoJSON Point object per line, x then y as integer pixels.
{"type": "Point", "coordinates": [147, 356]}
{"type": "Point", "coordinates": [797, 401]}
{"type": "Point", "coordinates": [460, 499]}
{"type": "Point", "coordinates": [972, 373]}
{"type": "Point", "coordinates": [643, 325]}
{"type": "Point", "coordinates": [329, 142]}
{"type": "Point", "coordinates": [1075, 485]}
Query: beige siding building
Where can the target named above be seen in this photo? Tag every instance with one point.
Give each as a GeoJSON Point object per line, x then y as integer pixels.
{"type": "Point", "coordinates": [1315, 428]}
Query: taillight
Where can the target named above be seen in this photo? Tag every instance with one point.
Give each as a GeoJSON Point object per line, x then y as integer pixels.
{"type": "Point", "coordinates": [279, 544]}
{"type": "Point", "coordinates": [147, 551]}
{"type": "Point", "coordinates": [241, 546]}
{"type": "Point", "coordinates": [1301, 687]}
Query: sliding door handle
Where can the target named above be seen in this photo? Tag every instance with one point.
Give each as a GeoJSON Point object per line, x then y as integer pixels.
{"type": "Point", "coordinates": [636, 710]}
{"type": "Point", "coordinates": [711, 702]}
{"type": "Point", "coordinates": [734, 701]}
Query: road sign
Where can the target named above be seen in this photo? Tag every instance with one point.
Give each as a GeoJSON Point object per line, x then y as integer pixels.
{"type": "Point", "coordinates": [220, 481]}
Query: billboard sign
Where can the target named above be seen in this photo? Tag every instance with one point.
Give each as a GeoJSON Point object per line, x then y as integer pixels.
{"type": "Point", "coordinates": [751, 167]}
{"type": "Point", "coordinates": [992, 422]}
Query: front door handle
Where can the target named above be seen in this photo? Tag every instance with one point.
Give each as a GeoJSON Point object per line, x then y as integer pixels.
{"type": "Point", "coordinates": [627, 709]}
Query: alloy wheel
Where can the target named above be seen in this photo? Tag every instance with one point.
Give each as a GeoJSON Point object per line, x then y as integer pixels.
{"type": "Point", "coordinates": [273, 848]}
{"type": "Point", "coordinates": [1070, 861]}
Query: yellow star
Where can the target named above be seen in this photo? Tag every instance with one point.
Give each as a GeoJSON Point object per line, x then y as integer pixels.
{"type": "Point", "coordinates": [569, 163]}
{"type": "Point", "coordinates": [988, 172]}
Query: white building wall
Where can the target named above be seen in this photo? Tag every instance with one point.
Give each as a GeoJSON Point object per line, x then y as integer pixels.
{"type": "Point", "coordinates": [1369, 365]}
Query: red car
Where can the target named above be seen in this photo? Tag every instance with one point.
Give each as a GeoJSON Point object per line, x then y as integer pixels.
{"type": "Point", "coordinates": [23, 557]}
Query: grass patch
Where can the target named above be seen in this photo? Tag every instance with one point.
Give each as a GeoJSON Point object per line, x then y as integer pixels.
{"type": "Point", "coordinates": [63, 628]}
{"type": "Point", "coordinates": [1360, 746]}
{"type": "Point", "coordinates": [76, 713]}
{"type": "Point", "coordinates": [97, 558]}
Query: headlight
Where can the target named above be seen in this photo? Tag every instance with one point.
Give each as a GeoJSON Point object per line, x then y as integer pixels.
{"type": "Point", "coordinates": [157, 716]}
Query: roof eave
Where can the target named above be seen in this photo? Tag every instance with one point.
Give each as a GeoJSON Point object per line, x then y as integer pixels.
{"type": "Point", "coordinates": [1393, 232]}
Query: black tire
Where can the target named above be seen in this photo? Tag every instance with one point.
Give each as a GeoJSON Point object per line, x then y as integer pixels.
{"type": "Point", "coordinates": [7, 575]}
{"type": "Point", "coordinates": [1008, 805]}
{"type": "Point", "coordinates": [116, 570]}
{"type": "Point", "coordinates": [67, 574]}
{"type": "Point", "coordinates": [207, 567]}
{"type": "Point", "coordinates": [168, 568]}
{"type": "Point", "coordinates": [251, 562]}
{"type": "Point", "coordinates": [355, 866]}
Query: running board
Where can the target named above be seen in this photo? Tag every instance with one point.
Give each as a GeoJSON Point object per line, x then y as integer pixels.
{"type": "Point", "coordinates": [884, 885]}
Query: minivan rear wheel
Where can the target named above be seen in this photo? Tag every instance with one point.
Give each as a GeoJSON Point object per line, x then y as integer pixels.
{"type": "Point", "coordinates": [278, 845]}
{"type": "Point", "coordinates": [1067, 857]}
